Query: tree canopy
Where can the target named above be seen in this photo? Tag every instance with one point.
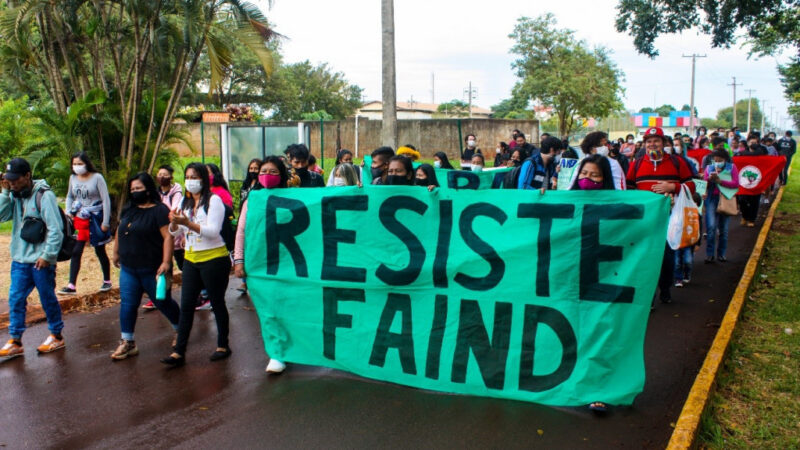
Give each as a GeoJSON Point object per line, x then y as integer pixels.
{"type": "Point", "coordinates": [558, 70]}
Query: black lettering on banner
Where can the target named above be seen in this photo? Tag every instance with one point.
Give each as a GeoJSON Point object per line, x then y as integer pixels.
{"type": "Point", "coordinates": [545, 213]}
{"type": "Point", "coordinates": [436, 337]}
{"type": "Point", "coordinates": [403, 341]}
{"type": "Point", "coordinates": [443, 243]}
{"type": "Point", "coordinates": [331, 319]}
{"type": "Point", "coordinates": [454, 177]}
{"type": "Point", "coordinates": [416, 252]}
{"type": "Point", "coordinates": [284, 233]}
{"type": "Point", "coordinates": [593, 253]}
{"type": "Point", "coordinates": [490, 356]}
{"type": "Point", "coordinates": [534, 315]}
{"type": "Point", "coordinates": [496, 265]}
{"type": "Point", "coordinates": [332, 236]}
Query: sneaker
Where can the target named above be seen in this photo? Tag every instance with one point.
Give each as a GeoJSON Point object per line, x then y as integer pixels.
{"type": "Point", "coordinates": [205, 306]}
{"type": "Point", "coordinates": [149, 306]}
{"type": "Point", "coordinates": [66, 290]}
{"type": "Point", "coordinates": [743, 222]}
{"type": "Point", "coordinates": [751, 224]}
{"type": "Point", "coordinates": [125, 349]}
{"type": "Point", "coordinates": [765, 201]}
{"type": "Point", "coordinates": [51, 344]}
{"type": "Point", "coordinates": [105, 287]}
{"type": "Point", "coordinates": [686, 281]}
{"type": "Point", "coordinates": [275, 366]}
{"type": "Point", "coordinates": [679, 284]}
{"type": "Point", "coordinates": [11, 349]}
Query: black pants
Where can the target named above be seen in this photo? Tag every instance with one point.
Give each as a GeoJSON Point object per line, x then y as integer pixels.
{"type": "Point", "coordinates": [749, 205]}
{"type": "Point", "coordinates": [667, 276]}
{"type": "Point", "coordinates": [213, 275]}
{"type": "Point", "coordinates": [785, 172]}
{"type": "Point", "coordinates": [178, 254]}
{"type": "Point", "coordinates": [75, 262]}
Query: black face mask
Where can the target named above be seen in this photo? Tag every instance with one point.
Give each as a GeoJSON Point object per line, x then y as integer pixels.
{"type": "Point", "coordinates": [398, 180]}
{"type": "Point", "coordinates": [516, 162]}
{"type": "Point", "coordinates": [376, 172]}
{"type": "Point", "coordinates": [422, 182]}
{"type": "Point", "coordinates": [754, 147]}
{"type": "Point", "coordinates": [301, 172]}
{"type": "Point", "coordinates": [165, 181]}
{"type": "Point", "coordinates": [139, 197]}
{"type": "Point", "coordinates": [23, 193]}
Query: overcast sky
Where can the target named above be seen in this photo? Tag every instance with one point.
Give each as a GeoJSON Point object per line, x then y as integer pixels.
{"type": "Point", "coordinates": [463, 41]}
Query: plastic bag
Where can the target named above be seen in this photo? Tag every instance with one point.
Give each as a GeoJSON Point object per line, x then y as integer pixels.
{"type": "Point", "coordinates": [684, 221]}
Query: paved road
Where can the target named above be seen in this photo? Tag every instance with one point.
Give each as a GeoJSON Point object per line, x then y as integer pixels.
{"type": "Point", "coordinates": [80, 398]}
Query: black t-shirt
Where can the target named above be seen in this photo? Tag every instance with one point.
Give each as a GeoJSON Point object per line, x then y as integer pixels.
{"type": "Point", "coordinates": [140, 241]}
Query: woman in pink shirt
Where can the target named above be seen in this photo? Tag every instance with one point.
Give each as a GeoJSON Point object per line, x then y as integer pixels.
{"type": "Point", "coordinates": [271, 175]}
{"type": "Point", "coordinates": [714, 174]}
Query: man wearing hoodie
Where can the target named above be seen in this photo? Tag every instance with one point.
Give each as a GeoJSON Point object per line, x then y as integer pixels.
{"type": "Point", "coordinates": [33, 257]}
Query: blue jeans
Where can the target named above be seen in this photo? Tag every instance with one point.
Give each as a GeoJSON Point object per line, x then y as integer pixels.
{"type": "Point", "coordinates": [24, 277]}
{"type": "Point", "coordinates": [132, 283]}
{"type": "Point", "coordinates": [715, 222]}
{"type": "Point", "coordinates": [683, 263]}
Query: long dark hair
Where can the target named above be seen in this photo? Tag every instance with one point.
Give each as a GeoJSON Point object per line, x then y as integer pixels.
{"type": "Point", "coordinates": [149, 187]}
{"type": "Point", "coordinates": [249, 179]}
{"type": "Point", "coordinates": [430, 173]}
{"type": "Point", "coordinates": [445, 162]}
{"type": "Point", "coordinates": [219, 179]}
{"type": "Point", "coordinates": [205, 192]}
{"type": "Point", "coordinates": [605, 169]}
{"type": "Point", "coordinates": [340, 154]}
{"type": "Point", "coordinates": [85, 158]}
{"type": "Point", "coordinates": [277, 162]}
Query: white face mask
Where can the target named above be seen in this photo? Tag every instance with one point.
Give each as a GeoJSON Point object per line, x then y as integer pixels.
{"type": "Point", "coordinates": [602, 151]}
{"type": "Point", "coordinates": [470, 143]}
{"type": "Point", "coordinates": [668, 150]}
{"type": "Point", "coordinates": [194, 186]}
{"type": "Point", "coordinates": [477, 168]}
{"type": "Point", "coordinates": [437, 164]}
{"type": "Point", "coordinates": [630, 141]}
{"type": "Point", "coordinates": [678, 150]}
{"type": "Point", "coordinates": [338, 181]}
{"type": "Point", "coordinates": [79, 170]}
{"type": "Point", "coordinates": [702, 132]}
{"type": "Point", "coordinates": [498, 151]}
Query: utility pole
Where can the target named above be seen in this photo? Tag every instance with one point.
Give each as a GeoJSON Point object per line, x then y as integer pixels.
{"type": "Point", "coordinates": [433, 90]}
{"type": "Point", "coordinates": [772, 124]}
{"type": "Point", "coordinates": [691, 101]}
{"type": "Point", "coordinates": [389, 71]}
{"type": "Point", "coordinates": [734, 84]}
{"type": "Point", "coordinates": [471, 94]}
{"type": "Point", "coordinates": [763, 114]}
{"type": "Point", "coordinates": [749, 106]}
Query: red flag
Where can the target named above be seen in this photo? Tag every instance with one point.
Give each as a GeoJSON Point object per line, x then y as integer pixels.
{"type": "Point", "coordinates": [696, 155]}
{"type": "Point", "coordinates": [757, 173]}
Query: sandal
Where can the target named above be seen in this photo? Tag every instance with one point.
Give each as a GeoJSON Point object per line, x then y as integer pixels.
{"type": "Point", "coordinates": [598, 407]}
{"type": "Point", "coordinates": [173, 361]}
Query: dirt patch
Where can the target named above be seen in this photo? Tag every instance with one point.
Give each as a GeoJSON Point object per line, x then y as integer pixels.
{"type": "Point", "coordinates": [786, 223]}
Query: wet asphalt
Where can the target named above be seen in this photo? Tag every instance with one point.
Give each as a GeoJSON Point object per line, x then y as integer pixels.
{"type": "Point", "coordinates": [78, 397]}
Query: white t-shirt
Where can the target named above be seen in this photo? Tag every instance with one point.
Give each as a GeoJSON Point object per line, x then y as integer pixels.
{"type": "Point", "coordinates": [210, 226]}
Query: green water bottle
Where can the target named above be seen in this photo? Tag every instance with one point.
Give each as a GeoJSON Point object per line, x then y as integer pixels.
{"type": "Point", "coordinates": [161, 287]}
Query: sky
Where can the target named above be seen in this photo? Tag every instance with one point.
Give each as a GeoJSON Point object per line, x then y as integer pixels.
{"type": "Point", "coordinates": [467, 41]}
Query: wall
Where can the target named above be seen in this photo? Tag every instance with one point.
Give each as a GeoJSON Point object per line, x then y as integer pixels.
{"type": "Point", "coordinates": [428, 136]}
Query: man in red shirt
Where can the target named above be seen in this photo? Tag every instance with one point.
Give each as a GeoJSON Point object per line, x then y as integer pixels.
{"type": "Point", "coordinates": [662, 173]}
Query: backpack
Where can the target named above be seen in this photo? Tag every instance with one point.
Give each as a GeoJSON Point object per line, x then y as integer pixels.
{"type": "Point", "coordinates": [511, 180]}
{"type": "Point", "coordinates": [228, 231]}
{"type": "Point", "coordinates": [68, 241]}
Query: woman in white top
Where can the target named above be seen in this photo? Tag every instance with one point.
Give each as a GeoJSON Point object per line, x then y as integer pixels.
{"type": "Point", "coordinates": [596, 142]}
{"type": "Point", "coordinates": [207, 263]}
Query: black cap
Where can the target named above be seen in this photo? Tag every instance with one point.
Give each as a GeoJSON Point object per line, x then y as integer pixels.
{"type": "Point", "coordinates": [16, 168]}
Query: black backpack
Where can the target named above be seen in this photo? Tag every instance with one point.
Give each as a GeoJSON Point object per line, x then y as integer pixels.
{"type": "Point", "coordinates": [228, 231]}
{"type": "Point", "coordinates": [511, 180]}
{"type": "Point", "coordinates": [68, 241]}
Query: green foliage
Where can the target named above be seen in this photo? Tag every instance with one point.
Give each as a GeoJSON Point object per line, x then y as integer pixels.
{"type": "Point", "coordinates": [558, 70]}
{"type": "Point", "coordinates": [515, 107]}
{"type": "Point", "coordinates": [790, 78]}
{"type": "Point", "coordinates": [16, 127]}
{"type": "Point", "coordinates": [647, 109]}
{"type": "Point", "coordinates": [454, 108]}
{"type": "Point", "coordinates": [664, 110]}
{"type": "Point", "coordinates": [725, 115]}
{"type": "Point", "coordinates": [317, 116]}
{"type": "Point", "coordinates": [305, 88]}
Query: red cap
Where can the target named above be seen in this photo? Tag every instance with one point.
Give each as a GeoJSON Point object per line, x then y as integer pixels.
{"type": "Point", "coordinates": [653, 131]}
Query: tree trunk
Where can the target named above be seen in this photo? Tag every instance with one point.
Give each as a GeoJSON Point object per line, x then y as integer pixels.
{"type": "Point", "coordinates": [389, 70]}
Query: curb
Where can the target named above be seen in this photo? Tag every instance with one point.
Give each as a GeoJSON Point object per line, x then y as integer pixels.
{"type": "Point", "coordinates": [35, 314]}
{"type": "Point", "coordinates": [685, 432]}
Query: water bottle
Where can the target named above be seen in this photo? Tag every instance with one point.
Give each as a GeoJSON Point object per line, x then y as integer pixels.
{"type": "Point", "coordinates": [161, 287]}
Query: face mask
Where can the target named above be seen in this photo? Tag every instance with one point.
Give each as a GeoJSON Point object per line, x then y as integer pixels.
{"type": "Point", "coordinates": [588, 184]}
{"type": "Point", "coordinates": [165, 181]}
{"type": "Point", "coordinates": [139, 197]}
{"type": "Point", "coordinates": [477, 168]}
{"type": "Point", "coordinates": [516, 162]}
{"type": "Point", "coordinates": [558, 158]}
{"type": "Point", "coordinates": [668, 150]}
{"type": "Point", "coordinates": [253, 173]}
{"type": "Point", "coordinates": [23, 193]}
{"type": "Point", "coordinates": [497, 151]}
{"type": "Point", "coordinates": [754, 147]}
{"type": "Point", "coordinates": [269, 180]}
{"type": "Point", "coordinates": [397, 180]}
{"type": "Point", "coordinates": [339, 181]}
{"type": "Point", "coordinates": [630, 141]}
{"type": "Point", "coordinates": [377, 172]}
{"type": "Point", "coordinates": [194, 186]}
{"type": "Point", "coordinates": [702, 132]}
{"type": "Point", "coordinates": [437, 164]}
{"type": "Point", "coordinates": [422, 181]}
{"type": "Point", "coordinates": [211, 180]}
{"type": "Point", "coordinates": [471, 143]}
{"type": "Point", "coordinates": [719, 166]}
{"type": "Point", "coordinates": [79, 170]}
{"type": "Point", "coordinates": [678, 150]}
{"type": "Point", "coordinates": [655, 155]}
{"type": "Point", "coordinates": [602, 151]}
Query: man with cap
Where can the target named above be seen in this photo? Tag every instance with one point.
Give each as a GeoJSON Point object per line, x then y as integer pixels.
{"type": "Point", "coordinates": [36, 237]}
{"type": "Point", "coordinates": [662, 173]}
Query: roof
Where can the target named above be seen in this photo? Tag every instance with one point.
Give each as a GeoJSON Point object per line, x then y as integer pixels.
{"type": "Point", "coordinates": [417, 106]}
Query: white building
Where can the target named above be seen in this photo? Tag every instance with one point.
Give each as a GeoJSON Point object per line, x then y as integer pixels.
{"type": "Point", "coordinates": [414, 110]}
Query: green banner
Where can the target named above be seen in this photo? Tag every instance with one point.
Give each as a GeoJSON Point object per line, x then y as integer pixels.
{"type": "Point", "coordinates": [499, 293]}
{"type": "Point", "coordinates": [466, 179]}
